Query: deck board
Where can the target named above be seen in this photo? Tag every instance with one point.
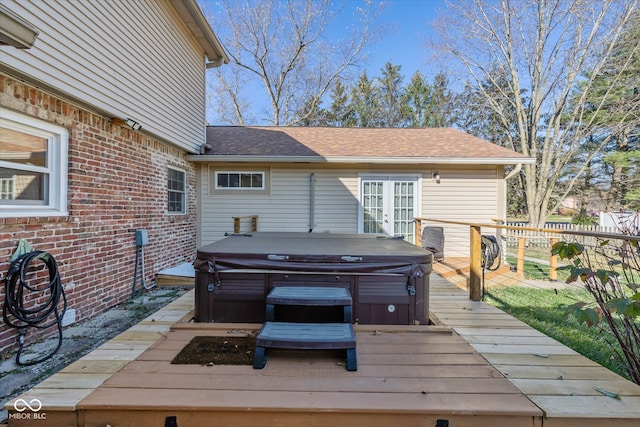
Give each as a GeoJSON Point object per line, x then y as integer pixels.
{"type": "Point", "coordinates": [248, 381]}
{"type": "Point", "coordinates": [149, 399]}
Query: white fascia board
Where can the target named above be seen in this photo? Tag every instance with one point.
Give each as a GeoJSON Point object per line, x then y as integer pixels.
{"type": "Point", "coordinates": [363, 159]}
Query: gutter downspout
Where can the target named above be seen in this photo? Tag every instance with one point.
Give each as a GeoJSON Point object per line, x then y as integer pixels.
{"type": "Point", "coordinates": [312, 201]}
{"type": "Point", "coordinates": [515, 171]}
{"type": "Point", "coordinates": [502, 243]}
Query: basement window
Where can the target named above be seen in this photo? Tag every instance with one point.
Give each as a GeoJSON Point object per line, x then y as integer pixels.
{"type": "Point", "coordinates": [33, 167]}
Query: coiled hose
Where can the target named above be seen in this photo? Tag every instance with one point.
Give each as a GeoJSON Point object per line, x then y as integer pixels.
{"type": "Point", "coordinates": [44, 301]}
{"type": "Point", "coordinates": [490, 252]}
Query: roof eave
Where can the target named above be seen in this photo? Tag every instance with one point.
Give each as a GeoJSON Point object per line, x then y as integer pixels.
{"type": "Point", "coordinates": [192, 15]}
{"type": "Point", "coordinates": [362, 159]}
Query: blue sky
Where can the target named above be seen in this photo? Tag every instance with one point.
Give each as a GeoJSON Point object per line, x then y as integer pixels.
{"type": "Point", "coordinates": [405, 45]}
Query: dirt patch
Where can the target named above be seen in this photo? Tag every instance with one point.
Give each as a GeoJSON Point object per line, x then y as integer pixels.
{"type": "Point", "coordinates": [205, 350]}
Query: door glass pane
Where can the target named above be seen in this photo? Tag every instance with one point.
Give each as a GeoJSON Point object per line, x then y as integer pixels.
{"type": "Point", "coordinates": [373, 206]}
{"type": "Point", "coordinates": [403, 214]}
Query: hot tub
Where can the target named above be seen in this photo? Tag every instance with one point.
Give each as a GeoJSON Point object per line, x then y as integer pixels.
{"type": "Point", "coordinates": [388, 278]}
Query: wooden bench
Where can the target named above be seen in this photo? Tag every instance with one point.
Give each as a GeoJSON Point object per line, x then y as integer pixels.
{"type": "Point", "coordinates": [309, 296]}
{"type": "Point", "coordinates": [306, 336]}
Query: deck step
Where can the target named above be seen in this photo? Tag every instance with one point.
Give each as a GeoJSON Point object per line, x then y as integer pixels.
{"type": "Point", "coordinates": [317, 296]}
{"type": "Point", "coordinates": [306, 336]}
{"type": "Point", "coordinates": [309, 295]}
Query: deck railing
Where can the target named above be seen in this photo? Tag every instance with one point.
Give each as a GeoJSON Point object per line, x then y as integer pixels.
{"type": "Point", "coordinates": [526, 236]}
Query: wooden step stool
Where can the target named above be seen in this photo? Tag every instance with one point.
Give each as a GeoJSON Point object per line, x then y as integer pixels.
{"type": "Point", "coordinates": [309, 296]}
{"type": "Point", "coordinates": [306, 336]}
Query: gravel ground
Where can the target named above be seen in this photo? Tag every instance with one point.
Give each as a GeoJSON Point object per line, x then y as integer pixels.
{"type": "Point", "coordinates": [78, 340]}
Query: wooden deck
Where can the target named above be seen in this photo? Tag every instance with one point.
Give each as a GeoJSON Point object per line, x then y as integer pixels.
{"type": "Point", "coordinates": [480, 367]}
{"type": "Point", "coordinates": [557, 379]}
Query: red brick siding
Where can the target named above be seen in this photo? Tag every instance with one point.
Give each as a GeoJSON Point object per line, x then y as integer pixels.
{"type": "Point", "coordinates": [117, 184]}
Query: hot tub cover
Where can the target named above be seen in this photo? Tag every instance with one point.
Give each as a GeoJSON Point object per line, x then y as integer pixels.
{"type": "Point", "coordinates": [314, 252]}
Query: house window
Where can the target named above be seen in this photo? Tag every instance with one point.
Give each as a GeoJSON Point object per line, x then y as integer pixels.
{"type": "Point", "coordinates": [33, 167]}
{"type": "Point", "coordinates": [245, 180]}
{"type": "Point", "coordinates": [176, 185]}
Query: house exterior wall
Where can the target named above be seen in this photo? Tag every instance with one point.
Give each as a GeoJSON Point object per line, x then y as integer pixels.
{"type": "Point", "coordinates": [125, 59]}
{"type": "Point", "coordinates": [117, 183]}
{"type": "Point", "coordinates": [470, 194]}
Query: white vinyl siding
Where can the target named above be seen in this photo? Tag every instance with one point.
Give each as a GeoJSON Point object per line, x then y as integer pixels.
{"type": "Point", "coordinates": [286, 208]}
{"type": "Point", "coordinates": [131, 59]}
{"type": "Point", "coordinates": [462, 195]}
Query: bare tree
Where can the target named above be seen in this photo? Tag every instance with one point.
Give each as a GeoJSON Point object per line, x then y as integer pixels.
{"type": "Point", "coordinates": [281, 47]}
{"type": "Point", "coordinates": [543, 49]}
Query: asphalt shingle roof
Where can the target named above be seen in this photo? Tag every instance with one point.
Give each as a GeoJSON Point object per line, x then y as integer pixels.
{"type": "Point", "coordinates": [351, 142]}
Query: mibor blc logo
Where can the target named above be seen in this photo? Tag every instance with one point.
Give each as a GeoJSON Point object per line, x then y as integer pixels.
{"type": "Point", "coordinates": [27, 410]}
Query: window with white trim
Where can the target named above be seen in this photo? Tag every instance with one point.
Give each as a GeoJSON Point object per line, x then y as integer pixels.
{"type": "Point", "coordinates": [239, 180]}
{"type": "Point", "coordinates": [176, 187]}
{"type": "Point", "coordinates": [33, 166]}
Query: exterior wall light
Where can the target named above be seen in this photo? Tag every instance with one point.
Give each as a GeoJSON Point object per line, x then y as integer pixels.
{"type": "Point", "coordinates": [133, 124]}
{"type": "Point", "coordinates": [436, 176]}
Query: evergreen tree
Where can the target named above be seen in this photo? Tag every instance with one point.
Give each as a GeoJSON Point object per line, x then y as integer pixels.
{"type": "Point", "coordinates": [416, 99]}
{"type": "Point", "coordinates": [392, 111]}
{"type": "Point", "coordinates": [439, 107]}
{"type": "Point", "coordinates": [364, 103]}
{"type": "Point", "coordinates": [613, 106]}
{"type": "Point", "coordinates": [340, 113]}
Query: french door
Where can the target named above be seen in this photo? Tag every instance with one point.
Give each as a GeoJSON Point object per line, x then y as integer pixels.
{"type": "Point", "coordinates": [389, 205]}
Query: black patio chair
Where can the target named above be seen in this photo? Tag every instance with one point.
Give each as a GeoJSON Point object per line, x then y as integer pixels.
{"type": "Point", "coordinates": [433, 241]}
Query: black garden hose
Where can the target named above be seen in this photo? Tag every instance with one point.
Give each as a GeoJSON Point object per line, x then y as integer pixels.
{"type": "Point", "coordinates": [490, 253]}
{"type": "Point", "coordinates": [44, 301]}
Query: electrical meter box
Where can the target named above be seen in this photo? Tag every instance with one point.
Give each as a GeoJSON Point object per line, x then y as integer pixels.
{"type": "Point", "coordinates": [142, 238]}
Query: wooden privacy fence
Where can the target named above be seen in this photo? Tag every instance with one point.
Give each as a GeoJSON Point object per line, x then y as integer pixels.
{"type": "Point", "coordinates": [475, 252]}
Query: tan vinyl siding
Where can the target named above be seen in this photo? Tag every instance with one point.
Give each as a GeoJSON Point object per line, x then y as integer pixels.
{"type": "Point", "coordinates": [462, 195]}
{"type": "Point", "coordinates": [286, 208]}
{"type": "Point", "coordinates": [465, 195]}
{"type": "Point", "coordinates": [125, 59]}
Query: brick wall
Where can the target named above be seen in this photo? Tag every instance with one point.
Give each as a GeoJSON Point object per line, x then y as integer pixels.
{"type": "Point", "coordinates": [117, 184]}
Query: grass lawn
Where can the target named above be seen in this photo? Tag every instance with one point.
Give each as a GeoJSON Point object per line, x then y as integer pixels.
{"type": "Point", "coordinates": [535, 271]}
{"type": "Point", "coordinates": [544, 310]}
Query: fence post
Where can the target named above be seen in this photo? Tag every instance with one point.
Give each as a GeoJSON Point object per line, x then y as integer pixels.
{"type": "Point", "coordinates": [553, 261]}
{"type": "Point", "coordinates": [475, 272]}
{"type": "Point", "coordinates": [520, 266]}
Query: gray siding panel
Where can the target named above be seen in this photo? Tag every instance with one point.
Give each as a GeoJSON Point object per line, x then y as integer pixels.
{"type": "Point", "coordinates": [126, 59]}
{"type": "Point", "coordinates": [463, 195]}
